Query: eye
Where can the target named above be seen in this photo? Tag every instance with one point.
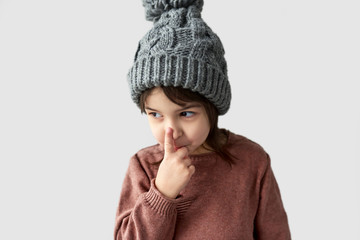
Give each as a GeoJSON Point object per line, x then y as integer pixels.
{"type": "Point", "coordinates": [187, 114]}
{"type": "Point", "coordinates": [155, 114]}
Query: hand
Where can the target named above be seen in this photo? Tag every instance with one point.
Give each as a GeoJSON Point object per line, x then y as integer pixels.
{"type": "Point", "coordinates": [175, 170]}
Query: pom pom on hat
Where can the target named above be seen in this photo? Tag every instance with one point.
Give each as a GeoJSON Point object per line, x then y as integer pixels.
{"type": "Point", "coordinates": [154, 8]}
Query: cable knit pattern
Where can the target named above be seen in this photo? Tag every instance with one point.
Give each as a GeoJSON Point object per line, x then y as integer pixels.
{"type": "Point", "coordinates": [182, 51]}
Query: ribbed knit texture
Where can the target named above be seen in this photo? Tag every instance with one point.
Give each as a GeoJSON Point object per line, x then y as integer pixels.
{"type": "Point", "coordinates": [182, 51]}
{"type": "Point", "coordinates": [220, 202]}
{"type": "Point", "coordinates": [157, 202]}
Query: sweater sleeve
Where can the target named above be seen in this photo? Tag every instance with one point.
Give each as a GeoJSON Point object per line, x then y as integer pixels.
{"type": "Point", "coordinates": [143, 212]}
{"type": "Point", "coordinates": [271, 221]}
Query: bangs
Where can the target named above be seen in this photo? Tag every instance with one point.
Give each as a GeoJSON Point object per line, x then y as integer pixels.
{"type": "Point", "coordinates": [181, 96]}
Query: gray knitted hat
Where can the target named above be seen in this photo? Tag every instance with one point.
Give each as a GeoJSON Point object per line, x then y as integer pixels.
{"type": "Point", "coordinates": [181, 51]}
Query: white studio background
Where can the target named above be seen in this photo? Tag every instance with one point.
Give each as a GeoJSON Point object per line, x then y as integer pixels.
{"type": "Point", "coordinates": [68, 126]}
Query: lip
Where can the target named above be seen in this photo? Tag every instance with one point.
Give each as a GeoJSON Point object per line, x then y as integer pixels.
{"type": "Point", "coordinates": [176, 147]}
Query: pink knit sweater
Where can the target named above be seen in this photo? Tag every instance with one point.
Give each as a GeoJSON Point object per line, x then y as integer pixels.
{"type": "Point", "coordinates": [220, 202]}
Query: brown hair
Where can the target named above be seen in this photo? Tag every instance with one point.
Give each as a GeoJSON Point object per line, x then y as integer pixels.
{"type": "Point", "coordinates": [180, 96]}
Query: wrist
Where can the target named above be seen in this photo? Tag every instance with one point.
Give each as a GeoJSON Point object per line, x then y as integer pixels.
{"type": "Point", "coordinates": [163, 191]}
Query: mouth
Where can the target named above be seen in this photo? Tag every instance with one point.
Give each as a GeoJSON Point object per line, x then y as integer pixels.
{"type": "Point", "coordinates": [176, 148]}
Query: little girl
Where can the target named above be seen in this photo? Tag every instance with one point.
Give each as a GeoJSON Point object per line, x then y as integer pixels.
{"type": "Point", "coordinates": [199, 181]}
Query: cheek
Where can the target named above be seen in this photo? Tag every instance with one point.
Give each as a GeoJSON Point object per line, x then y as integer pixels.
{"type": "Point", "coordinates": [199, 132]}
{"type": "Point", "coordinates": [160, 138]}
{"type": "Point", "coordinates": [158, 132]}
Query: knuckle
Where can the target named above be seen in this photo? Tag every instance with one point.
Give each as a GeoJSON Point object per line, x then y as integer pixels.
{"type": "Point", "coordinates": [187, 162]}
{"type": "Point", "coordinates": [184, 149]}
{"type": "Point", "coordinates": [189, 172]}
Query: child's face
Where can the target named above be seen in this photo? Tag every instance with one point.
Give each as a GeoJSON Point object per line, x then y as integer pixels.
{"type": "Point", "coordinates": [190, 123]}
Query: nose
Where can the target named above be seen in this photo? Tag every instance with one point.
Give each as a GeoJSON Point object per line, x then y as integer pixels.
{"type": "Point", "coordinates": [177, 129]}
{"type": "Point", "coordinates": [177, 133]}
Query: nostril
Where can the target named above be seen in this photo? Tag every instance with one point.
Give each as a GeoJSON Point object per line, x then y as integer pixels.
{"type": "Point", "coordinates": [177, 134]}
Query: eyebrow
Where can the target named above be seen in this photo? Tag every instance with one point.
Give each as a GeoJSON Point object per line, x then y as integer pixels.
{"type": "Point", "coordinates": [179, 110]}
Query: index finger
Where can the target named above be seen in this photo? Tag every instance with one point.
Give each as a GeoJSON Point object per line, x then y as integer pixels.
{"type": "Point", "coordinates": [169, 141]}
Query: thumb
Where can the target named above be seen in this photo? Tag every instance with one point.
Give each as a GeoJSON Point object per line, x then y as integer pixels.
{"type": "Point", "coordinates": [169, 141]}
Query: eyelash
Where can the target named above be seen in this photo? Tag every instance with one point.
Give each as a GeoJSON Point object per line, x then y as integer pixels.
{"type": "Point", "coordinates": [153, 114]}
{"type": "Point", "coordinates": [191, 114]}
{"type": "Point", "coordinates": [181, 114]}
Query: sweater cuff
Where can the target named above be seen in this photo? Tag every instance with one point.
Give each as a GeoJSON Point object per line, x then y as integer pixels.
{"type": "Point", "coordinates": [158, 202]}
